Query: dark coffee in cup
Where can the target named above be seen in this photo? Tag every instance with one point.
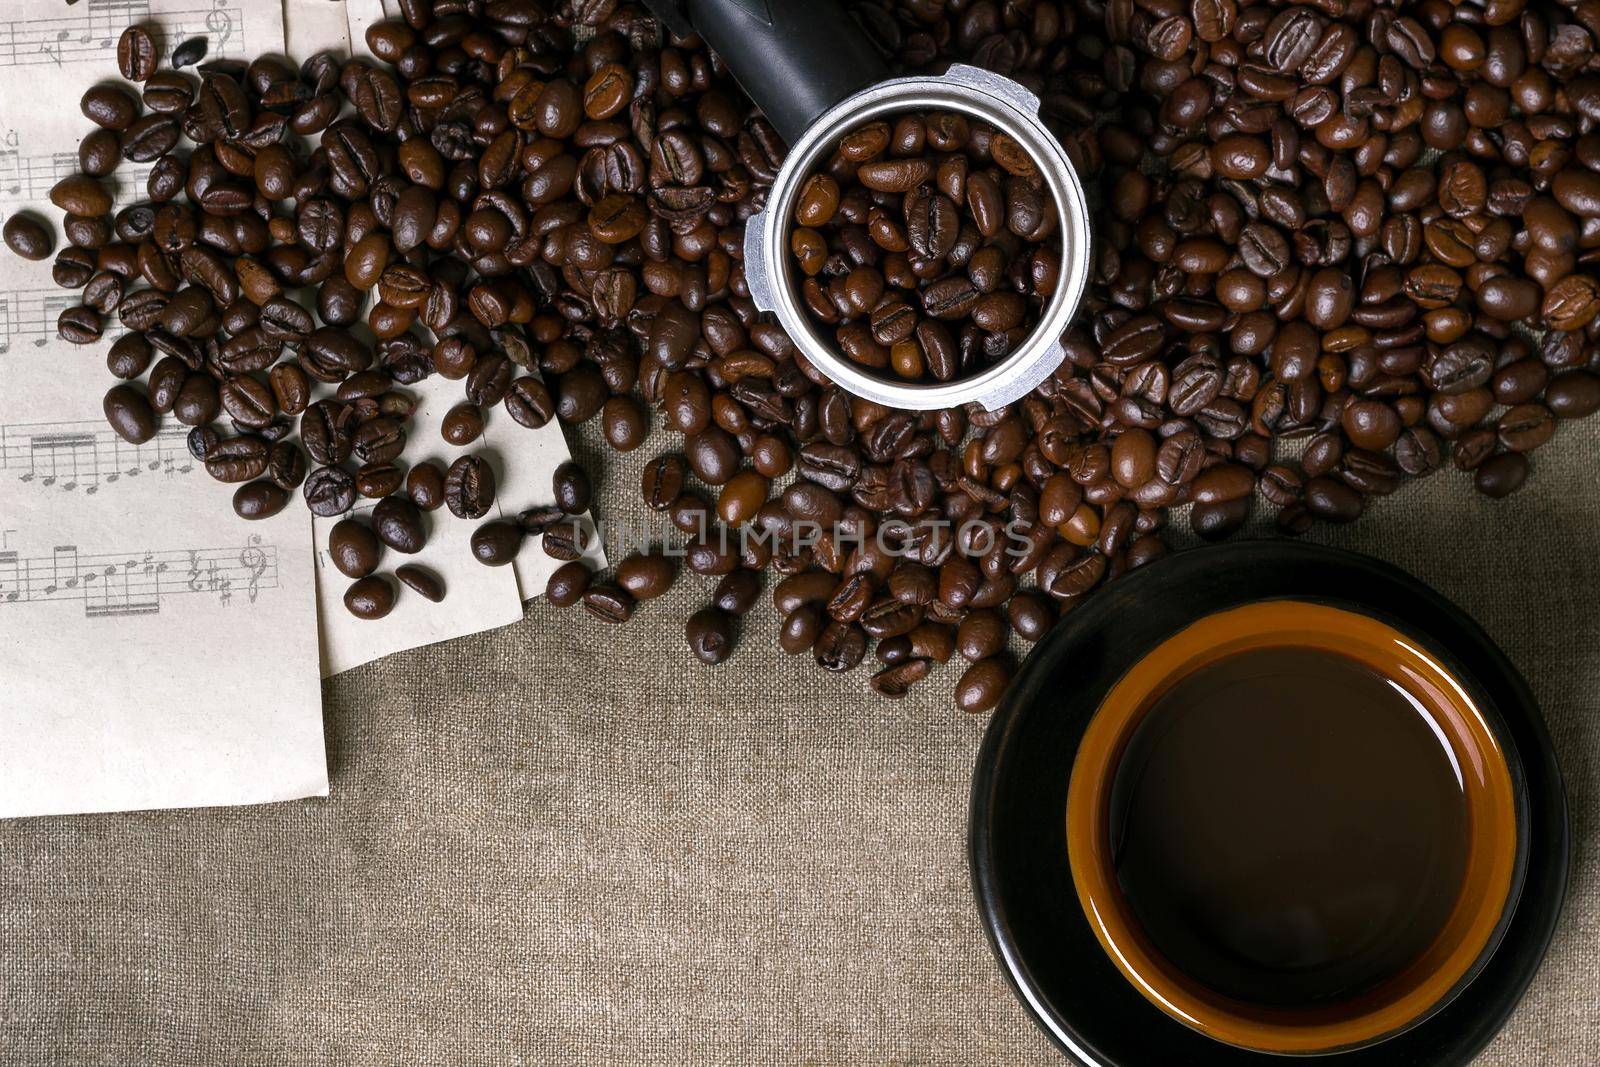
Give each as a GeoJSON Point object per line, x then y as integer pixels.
{"type": "Point", "coordinates": [1292, 829]}
{"type": "Point", "coordinates": [1289, 827]}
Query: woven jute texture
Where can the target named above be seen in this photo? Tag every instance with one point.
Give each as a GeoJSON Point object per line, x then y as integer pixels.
{"type": "Point", "coordinates": [564, 843]}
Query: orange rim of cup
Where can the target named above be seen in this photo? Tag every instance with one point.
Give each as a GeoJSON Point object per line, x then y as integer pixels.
{"type": "Point", "coordinates": [1398, 1002]}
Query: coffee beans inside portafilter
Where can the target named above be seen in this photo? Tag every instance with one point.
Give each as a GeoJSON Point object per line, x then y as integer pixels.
{"type": "Point", "coordinates": [927, 245]}
{"type": "Point", "coordinates": [1294, 301]}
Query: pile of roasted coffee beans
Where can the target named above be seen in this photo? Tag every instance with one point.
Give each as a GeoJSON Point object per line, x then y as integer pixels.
{"type": "Point", "coordinates": [1321, 232]}
{"type": "Point", "coordinates": [928, 245]}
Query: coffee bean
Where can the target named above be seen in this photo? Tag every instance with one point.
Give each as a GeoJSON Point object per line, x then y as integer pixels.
{"type": "Point", "coordinates": [1526, 427]}
{"type": "Point", "coordinates": [137, 57]}
{"type": "Point", "coordinates": [188, 54]}
{"type": "Point", "coordinates": [710, 635]}
{"type": "Point", "coordinates": [79, 325]}
{"type": "Point", "coordinates": [109, 106]}
{"type": "Point", "coordinates": [1332, 501]}
{"type": "Point", "coordinates": [29, 238]}
{"type": "Point", "coordinates": [840, 647]}
{"type": "Point", "coordinates": [529, 403]}
{"type": "Point", "coordinates": [1501, 475]}
{"type": "Point", "coordinates": [422, 580]}
{"type": "Point", "coordinates": [608, 603]}
{"type": "Point", "coordinates": [663, 481]}
{"type": "Point", "coordinates": [1573, 395]}
{"type": "Point", "coordinates": [469, 487]}
{"type": "Point", "coordinates": [573, 492]}
{"type": "Point", "coordinates": [130, 414]}
{"type": "Point", "coordinates": [286, 465]}
{"type": "Point", "coordinates": [259, 500]}
{"type": "Point", "coordinates": [237, 459]}
{"type": "Point", "coordinates": [982, 685]}
{"type": "Point", "coordinates": [371, 597]}
{"type": "Point", "coordinates": [647, 575]}
{"type": "Point", "coordinates": [399, 524]}
{"type": "Point", "coordinates": [354, 548]}
{"type": "Point", "coordinates": [462, 425]}
{"type": "Point", "coordinates": [329, 491]}
{"type": "Point", "coordinates": [738, 592]}
{"type": "Point", "coordinates": [496, 543]}
{"type": "Point", "coordinates": [425, 486]}
{"type": "Point", "coordinates": [567, 583]}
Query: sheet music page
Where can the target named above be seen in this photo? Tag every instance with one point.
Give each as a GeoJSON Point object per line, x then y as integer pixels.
{"type": "Point", "coordinates": [155, 650]}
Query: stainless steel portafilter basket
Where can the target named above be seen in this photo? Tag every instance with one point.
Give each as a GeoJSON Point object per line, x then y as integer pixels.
{"type": "Point", "coordinates": [817, 78]}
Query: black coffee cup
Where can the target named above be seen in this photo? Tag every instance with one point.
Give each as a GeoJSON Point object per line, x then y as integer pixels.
{"type": "Point", "coordinates": [1106, 1003]}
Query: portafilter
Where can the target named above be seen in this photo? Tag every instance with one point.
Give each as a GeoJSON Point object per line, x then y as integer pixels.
{"type": "Point", "coordinates": [815, 74]}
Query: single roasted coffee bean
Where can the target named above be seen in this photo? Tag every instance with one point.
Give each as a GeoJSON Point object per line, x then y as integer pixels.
{"type": "Point", "coordinates": [564, 540]}
{"type": "Point", "coordinates": [608, 603]}
{"type": "Point", "coordinates": [469, 487]}
{"type": "Point", "coordinates": [896, 681]}
{"type": "Point", "coordinates": [567, 583]}
{"type": "Point", "coordinates": [189, 52]}
{"type": "Point", "coordinates": [329, 491]}
{"type": "Point", "coordinates": [237, 459]}
{"type": "Point", "coordinates": [647, 575]}
{"type": "Point", "coordinates": [496, 543]}
{"type": "Point", "coordinates": [197, 402]}
{"type": "Point", "coordinates": [572, 488]}
{"type": "Point", "coordinates": [738, 591]}
{"type": "Point", "coordinates": [425, 486]}
{"type": "Point", "coordinates": [259, 500]}
{"type": "Point", "coordinates": [462, 425]}
{"type": "Point", "coordinates": [286, 465]}
{"type": "Point", "coordinates": [1501, 475]}
{"type": "Point", "coordinates": [354, 548]}
{"type": "Point", "coordinates": [709, 632]}
{"type": "Point", "coordinates": [200, 441]}
{"type": "Point", "coordinates": [109, 106]}
{"type": "Point", "coordinates": [378, 480]}
{"type": "Point", "coordinates": [422, 580]}
{"type": "Point", "coordinates": [371, 597]}
{"type": "Point", "coordinates": [663, 481]}
{"type": "Point", "coordinates": [80, 325]}
{"type": "Point", "coordinates": [982, 685]}
{"type": "Point", "coordinates": [28, 237]}
{"type": "Point", "coordinates": [399, 524]}
{"type": "Point", "coordinates": [137, 57]}
{"type": "Point", "coordinates": [99, 153]}
{"type": "Point", "coordinates": [130, 414]}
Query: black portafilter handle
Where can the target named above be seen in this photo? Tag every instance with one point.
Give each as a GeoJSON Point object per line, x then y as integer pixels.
{"type": "Point", "coordinates": [795, 58]}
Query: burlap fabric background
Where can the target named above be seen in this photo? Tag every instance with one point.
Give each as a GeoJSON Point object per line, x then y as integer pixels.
{"type": "Point", "coordinates": [561, 842]}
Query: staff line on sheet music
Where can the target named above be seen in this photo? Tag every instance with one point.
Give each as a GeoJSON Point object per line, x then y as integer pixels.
{"type": "Point", "coordinates": [84, 455]}
{"type": "Point", "coordinates": [118, 584]}
{"type": "Point", "coordinates": [92, 33]}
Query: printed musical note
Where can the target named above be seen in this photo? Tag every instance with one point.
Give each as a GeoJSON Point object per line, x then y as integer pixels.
{"type": "Point", "coordinates": [85, 456]}
{"type": "Point", "coordinates": [121, 584]}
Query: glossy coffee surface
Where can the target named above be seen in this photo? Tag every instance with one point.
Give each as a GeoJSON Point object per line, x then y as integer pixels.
{"type": "Point", "coordinates": [1289, 827]}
